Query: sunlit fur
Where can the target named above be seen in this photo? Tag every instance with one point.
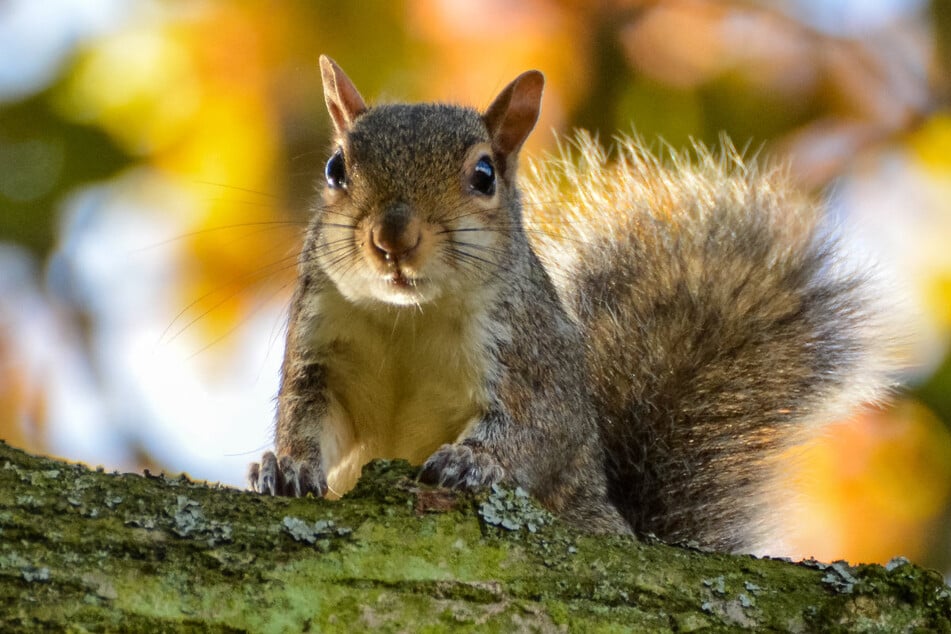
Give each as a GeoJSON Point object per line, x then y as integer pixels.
{"type": "Point", "coordinates": [724, 320]}
{"type": "Point", "coordinates": [456, 254]}
{"type": "Point", "coordinates": [406, 367]}
{"type": "Point", "coordinates": [637, 353]}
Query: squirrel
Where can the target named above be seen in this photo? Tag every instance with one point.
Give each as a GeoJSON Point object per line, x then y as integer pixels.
{"type": "Point", "coordinates": [636, 344]}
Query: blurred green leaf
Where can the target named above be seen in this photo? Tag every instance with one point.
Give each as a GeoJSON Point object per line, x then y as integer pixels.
{"type": "Point", "coordinates": [42, 158]}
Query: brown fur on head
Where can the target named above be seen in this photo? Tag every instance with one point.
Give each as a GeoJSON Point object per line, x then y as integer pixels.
{"type": "Point", "coordinates": [421, 192]}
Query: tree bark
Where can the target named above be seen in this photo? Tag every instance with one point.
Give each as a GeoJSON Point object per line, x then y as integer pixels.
{"type": "Point", "coordinates": [89, 550]}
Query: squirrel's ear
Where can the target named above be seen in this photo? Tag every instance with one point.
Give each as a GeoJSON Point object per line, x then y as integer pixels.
{"type": "Point", "coordinates": [514, 113]}
{"type": "Point", "coordinates": [344, 103]}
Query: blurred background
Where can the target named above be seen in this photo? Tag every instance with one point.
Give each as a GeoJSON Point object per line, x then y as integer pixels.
{"type": "Point", "coordinates": [158, 159]}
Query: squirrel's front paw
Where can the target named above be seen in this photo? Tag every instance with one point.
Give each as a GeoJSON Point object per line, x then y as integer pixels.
{"type": "Point", "coordinates": [461, 467]}
{"type": "Point", "coordinates": [286, 476]}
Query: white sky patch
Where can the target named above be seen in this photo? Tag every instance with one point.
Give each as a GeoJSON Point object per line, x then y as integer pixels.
{"type": "Point", "coordinates": [851, 18]}
{"type": "Point", "coordinates": [37, 37]}
{"type": "Point", "coordinates": [901, 215]}
{"type": "Point", "coordinates": [153, 387]}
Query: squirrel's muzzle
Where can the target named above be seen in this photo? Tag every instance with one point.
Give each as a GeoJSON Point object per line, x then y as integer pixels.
{"type": "Point", "coordinates": [396, 234]}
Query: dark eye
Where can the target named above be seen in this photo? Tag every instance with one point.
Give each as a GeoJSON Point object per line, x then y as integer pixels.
{"type": "Point", "coordinates": [483, 177]}
{"type": "Point", "coordinates": [336, 171]}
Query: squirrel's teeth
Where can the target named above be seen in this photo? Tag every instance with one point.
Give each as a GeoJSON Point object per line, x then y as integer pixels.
{"type": "Point", "coordinates": [396, 278]}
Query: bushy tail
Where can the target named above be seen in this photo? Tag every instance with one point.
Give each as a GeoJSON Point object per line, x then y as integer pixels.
{"type": "Point", "coordinates": [725, 321]}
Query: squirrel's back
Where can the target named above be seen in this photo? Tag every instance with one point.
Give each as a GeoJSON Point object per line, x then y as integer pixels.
{"type": "Point", "coordinates": [723, 321]}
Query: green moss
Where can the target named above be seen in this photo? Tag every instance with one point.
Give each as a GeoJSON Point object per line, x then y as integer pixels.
{"type": "Point", "coordinates": [82, 549]}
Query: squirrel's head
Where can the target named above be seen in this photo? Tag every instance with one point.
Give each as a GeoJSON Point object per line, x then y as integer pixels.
{"type": "Point", "coordinates": [420, 200]}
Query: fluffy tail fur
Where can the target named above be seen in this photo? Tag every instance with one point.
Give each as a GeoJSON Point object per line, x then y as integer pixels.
{"type": "Point", "coordinates": [724, 321]}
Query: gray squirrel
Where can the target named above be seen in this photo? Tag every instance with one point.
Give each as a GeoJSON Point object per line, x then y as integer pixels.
{"type": "Point", "coordinates": [635, 344]}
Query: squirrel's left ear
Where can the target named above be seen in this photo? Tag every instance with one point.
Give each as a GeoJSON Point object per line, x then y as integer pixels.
{"type": "Point", "coordinates": [344, 102]}
{"type": "Point", "coordinates": [514, 113]}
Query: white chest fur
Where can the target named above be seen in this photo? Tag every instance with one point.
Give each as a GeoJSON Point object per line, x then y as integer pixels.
{"type": "Point", "coordinates": [401, 381]}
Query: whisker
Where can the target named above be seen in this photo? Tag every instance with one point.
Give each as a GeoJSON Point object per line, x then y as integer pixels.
{"type": "Point", "coordinates": [472, 256]}
{"type": "Point", "coordinates": [268, 224]}
{"type": "Point", "coordinates": [480, 247]}
{"type": "Point", "coordinates": [530, 203]}
{"type": "Point", "coordinates": [464, 259]}
{"type": "Point", "coordinates": [498, 228]}
{"type": "Point", "coordinates": [339, 250]}
{"type": "Point", "coordinates": [254, 310]}
{"type": "Point", "coordinates": [329, 210]}
{"type": "Point", "coordinates": [240, 189]}
{"type": "Point", "coordinates": [298, 157]}
{"type": "Point", "coordinates": [268, 270]}
{"type": "Point", "coordinates": [468, 214]}
{"type": "Point", "coordinates": [345, 253]}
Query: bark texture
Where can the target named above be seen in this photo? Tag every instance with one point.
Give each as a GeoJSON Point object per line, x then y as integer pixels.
{"type": "Point", "coordinates": [84, 550]}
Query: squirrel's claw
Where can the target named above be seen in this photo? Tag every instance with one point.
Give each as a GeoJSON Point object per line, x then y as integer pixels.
{"type": "Point", "coordinates": [260, 476]}
{"type": "Point", "coordinates": [461, 467]}
{"type": "Point", "coordinates": [286, 476]}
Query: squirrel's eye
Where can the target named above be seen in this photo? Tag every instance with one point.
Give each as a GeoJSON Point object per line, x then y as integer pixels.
{"type": "Point", "coordinates": [483, 177]}
{"type": "Point", "coordinates": [336, 171]}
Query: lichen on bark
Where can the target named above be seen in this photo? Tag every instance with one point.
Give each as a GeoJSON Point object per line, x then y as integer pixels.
{"type": "Point", "coordinates": [88, 550]}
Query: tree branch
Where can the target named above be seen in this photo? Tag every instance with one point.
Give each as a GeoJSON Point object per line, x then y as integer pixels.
{"type": "Point", "coordinates": [87, 549]}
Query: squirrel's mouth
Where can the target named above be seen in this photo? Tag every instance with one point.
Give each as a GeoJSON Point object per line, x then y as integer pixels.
{"type": "Point", "coordinates": [401, 289]}
{"type": "Point", "coordinates": [399, 280]}
{"type": "Point", "coordinates": [403, 285]}
{"type": "Point", "coordinates": [397, 277]}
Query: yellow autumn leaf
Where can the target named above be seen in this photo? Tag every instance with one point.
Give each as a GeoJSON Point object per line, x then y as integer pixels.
{"type": "Point", "coordinates": [931, 144]}
{"type": "Point", "coordinates": [138, 85]}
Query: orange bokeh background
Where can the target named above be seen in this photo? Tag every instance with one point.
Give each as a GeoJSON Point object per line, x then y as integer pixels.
{"type": "Point", "coordinates": [221, 101]}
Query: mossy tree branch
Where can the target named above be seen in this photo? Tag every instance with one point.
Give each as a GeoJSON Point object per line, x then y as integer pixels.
{"type": "Point", "coordinates": [86, 549]}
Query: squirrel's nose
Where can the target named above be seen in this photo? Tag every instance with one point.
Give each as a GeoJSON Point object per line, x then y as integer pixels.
{"type": "Point", "coordinates": [395, 238]}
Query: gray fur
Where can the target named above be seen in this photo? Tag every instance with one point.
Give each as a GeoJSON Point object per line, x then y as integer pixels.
{"type": "Point", "coordinates": [723, 323]}
{"type": "Point", "coordinates": [639, 366]}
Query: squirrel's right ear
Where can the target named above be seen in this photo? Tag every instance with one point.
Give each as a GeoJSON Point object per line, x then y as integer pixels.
{"type": "Point", "coordinates": [344, 103]}
{"type": "Point", "coordinates": [514, 112]}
